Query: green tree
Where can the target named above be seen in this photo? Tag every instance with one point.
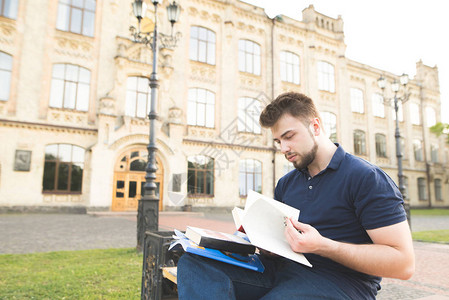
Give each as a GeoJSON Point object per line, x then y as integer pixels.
{"type": "Point", "coordinates": [441, 128]}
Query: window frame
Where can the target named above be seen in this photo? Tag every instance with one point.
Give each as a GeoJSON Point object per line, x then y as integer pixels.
{"type": "Point", "coordinates": [13, 9]}
{"type": "Point", "coordinates": [203, 105]}
{"type": "Point", "coordinates": [290, 67]}
{"type": "Point", "coordinates": [200, 170]}
{"type": "Point", "coordinates": [206, 46]}
{"type": "Point", "coordinates": [418, 150]}
{"type": "Point", "coordinates": [248, 115]}
{"type": "Point", "coordinates": [135, 97]}
{"type": "Point", "coordinates": [357, 100]}
{"type": "Point", "coordinates": [255, 172]}
{"type": "Point", "coordinates": [70, 86]}
{"type": "Point", "coordinates": [249, 53]}
{"type": "Point", "coordinates": [381, 145]}
{"type": "Point", "coordinates": [378, 105]}
{"type": "Point", "coordinates": [422, 189]}
{"type": "Point", "coordinates": [326, 76]}
{"type": "Point", "coordinates": [68, 12]}
{"type": "Point", "coordinates": [6, 63]}
{"type": "Point", "coordinates": [362, 142]}
{"type": "Point", "coordinates": [58, 162]}
{"type": "Point", "coordinates": [329, 127]}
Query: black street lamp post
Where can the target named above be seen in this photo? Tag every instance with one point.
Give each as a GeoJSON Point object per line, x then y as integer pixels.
{"type": "Point", "coordinates": [395, 86]}
{"type": "Point", "coordinates": [148, 209]}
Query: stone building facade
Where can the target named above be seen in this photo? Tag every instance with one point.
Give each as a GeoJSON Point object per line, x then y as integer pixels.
{"type": "Point", "coordinates": [74, 98]}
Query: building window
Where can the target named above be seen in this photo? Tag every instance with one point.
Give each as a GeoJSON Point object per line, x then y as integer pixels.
{"type": "Point", "coordinates": [434, 150]}
{"type": "Point", "coordinates": [5, 75]}
{"type": "Point", "coordinates": [359, 142]}
{"type": "Point", "coordinates": [403, 148]}
{"type": "Point", "coordinates": [417, 148]}
{"type": "Point", "coordinates": [250, 176]}
{"type": "Point", "coordinates": [330, 125]}
{"type": "Point", "coordinates": [77, 16]}
{"type": "Point", "coordinates": [201, 108]}
{"type": "Point", "coordinates": [357, 103]}
{"type": "Point", "coordinates": [381, 145]}
{"type": "Point", "coordinates": [438, 187]}
{"type": "Point", "coordinates": [289, 67]}
{"type": "Point", "coordinates": [430, 117]}
{"type": "Point", "coordinates": [63, 169]}
{"type": "Point", "coordinates": [249, 57]}
{"type": "Point", "coordinates": [422, 191]}
{"type": "Point", "coordinates": [137, 97]}
{"type": "Point", "coordinates": [414, 114]}
{"type": "Point", "coordinates": [326, 77]}
{"type": "Point", "coordinates": [200, 176]}
{"type": "Point", "coordinates": [249, 112]}
{"type": "Point", "coordinates": [378, 106]}
{"type": "Point", "coordinates": [70, 86]}
{"type": "Point", "coordinates": [8, 8]}
{"type": "Point", "coordinates": [202, 45]}
{"type": "Point", "coordinates": [400, 112]}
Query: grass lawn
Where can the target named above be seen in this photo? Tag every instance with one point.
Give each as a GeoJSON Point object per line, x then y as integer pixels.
{"type": "Point", "coordinates": [430, 212]}
{"type": "Point", "coordinates": [89, 274]}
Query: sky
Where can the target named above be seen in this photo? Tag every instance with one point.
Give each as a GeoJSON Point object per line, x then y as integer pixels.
{"type": "Point", "coordinates": [391, 35]}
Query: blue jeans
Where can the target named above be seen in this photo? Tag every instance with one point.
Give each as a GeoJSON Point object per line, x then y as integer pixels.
{"type": "Point", "coordinates": [203, 278]}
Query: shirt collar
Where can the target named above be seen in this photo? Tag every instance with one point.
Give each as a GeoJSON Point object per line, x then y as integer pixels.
{"type": "Point", "coordinates": [335, 162]}
{"type": "Point", "coordinates": [338, 157]}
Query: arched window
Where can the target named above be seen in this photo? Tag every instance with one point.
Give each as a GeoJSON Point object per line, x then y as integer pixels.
{"type": "Point", "coordinates": [250, 176]}
{"type": "Point", "coordinates": [249, 112]}
{"type": "Point", "coordinates": [200, 175]}
{"type": "Point", "coordinates": [438, 189]}
{"type": "Point", "coordinates": [434, 153]}
{"type": "Point", "coordinates": [326, 77]}
{"type": "Point", "coordinates": [430, 116]}
{"type": "Point", "coordinates": [289, 67]}
{"type": "Point", "coordinates": [415, 114]}
{"type": "Point", "coordinates": [70, 87]}
{"type": "Point", "coordinates": [137, 97]}
{"type": "Point", "coordinates": [378, 105]}
{"type": "Point", "coordinates": [422, 189]}
{"type": "Point", "coordinates": [357, 103]}
{"type": "Point", "coordinates": [359, 142]}
{"type": "Point", "coordinates": [201, 108]}
{"type": "Point", "coordinates": [202, 45]}
{"type": "Point", "coordinates": [330, 125]}
{"type": "Point", "coordinates": [76, 16]}
{"type": "Point", "coordinates": [417, 148]}
{"type": "Point", "coordinates": [8, 8]}
{"type": "Point", "coordinates": [249, 57]}
{"type": "Point", "coordinates": [381, 145]}
{"type": "Point", "coordinates": [63, 169]}
{"type": "Point", "coordinates": [5, 75]}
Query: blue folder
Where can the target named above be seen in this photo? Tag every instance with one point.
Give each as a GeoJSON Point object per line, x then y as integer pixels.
{"type": "Point", "coordinates": [251, 262]}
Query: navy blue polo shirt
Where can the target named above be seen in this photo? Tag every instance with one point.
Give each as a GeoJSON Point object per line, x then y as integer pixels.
{"type": "Point", "coordinates": [344, 200]}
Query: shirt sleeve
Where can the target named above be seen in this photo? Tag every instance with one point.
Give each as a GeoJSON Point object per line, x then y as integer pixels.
{"type": "Point", "coordinates": [378, 201]}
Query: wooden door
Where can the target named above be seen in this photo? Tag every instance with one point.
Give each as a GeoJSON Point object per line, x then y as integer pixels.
{"type": "Point", "coordinates": [129, 180]}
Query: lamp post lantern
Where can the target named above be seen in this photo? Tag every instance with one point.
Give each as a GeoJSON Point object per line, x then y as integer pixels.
{"type": "Point", "coordinates": [395, 86]}
{"type": "Point", "coordinates": [148, 208]}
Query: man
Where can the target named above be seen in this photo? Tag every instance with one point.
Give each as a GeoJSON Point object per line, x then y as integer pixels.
{"type": "Point", "coordinates": [353, 226]}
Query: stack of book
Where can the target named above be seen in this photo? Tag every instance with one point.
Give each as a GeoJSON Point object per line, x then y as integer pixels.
{"type": "Point", "coordinates": [259, 225]}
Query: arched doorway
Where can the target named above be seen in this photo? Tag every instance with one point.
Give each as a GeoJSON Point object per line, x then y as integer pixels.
{"type": "Point", "coordinates": [129, 180]}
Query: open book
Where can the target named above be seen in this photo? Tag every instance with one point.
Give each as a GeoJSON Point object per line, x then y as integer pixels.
{"type": "Point", "coordinates": [262, 220]}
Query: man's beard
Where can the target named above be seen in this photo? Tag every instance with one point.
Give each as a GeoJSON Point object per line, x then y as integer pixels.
{"type": "Point", "coordinates": [307, 158]}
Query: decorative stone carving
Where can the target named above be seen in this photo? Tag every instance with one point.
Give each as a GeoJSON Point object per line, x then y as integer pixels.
{"type": "Point", "coordinates": [7, 33]}
{"type": "Point", "coordinates": [203, 72]}
{"type": "Point", "coordinates": [251, 82]}
{"type": "Point", "coordinates": [174, 115]}
{"type": "Point", "coordinates": [107, 106]}
{"type": "Point", "coordinates": [67, 117]}
{"type": "Point", "coordinates": [74, 47]}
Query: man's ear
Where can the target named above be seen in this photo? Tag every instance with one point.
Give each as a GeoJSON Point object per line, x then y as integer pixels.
{"type": "Point", "coordinates": [316, 127]}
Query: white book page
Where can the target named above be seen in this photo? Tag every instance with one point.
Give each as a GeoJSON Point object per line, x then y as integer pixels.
{"type": "Point", "coordinates": [264, 226]}
{"type": "Point", "coordinates": [287, 210]}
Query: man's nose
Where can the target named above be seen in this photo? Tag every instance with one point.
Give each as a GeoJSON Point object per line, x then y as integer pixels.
{"type": "Point", "coordinates": [285, 148]}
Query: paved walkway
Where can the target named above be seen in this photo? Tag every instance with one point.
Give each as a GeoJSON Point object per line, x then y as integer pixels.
{"type": "Point", "coordinates": [28, 233]}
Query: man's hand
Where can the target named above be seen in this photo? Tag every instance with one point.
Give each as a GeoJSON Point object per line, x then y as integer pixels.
{"type": "Point", "coordinates": [303, 238]}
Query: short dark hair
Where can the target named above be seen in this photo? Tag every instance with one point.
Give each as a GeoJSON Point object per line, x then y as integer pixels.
{"type": "Point", "coordinates": [295, 104]}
